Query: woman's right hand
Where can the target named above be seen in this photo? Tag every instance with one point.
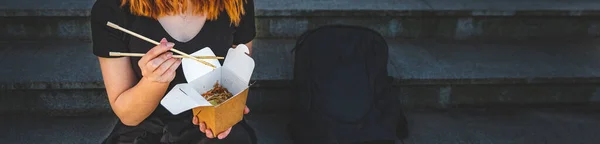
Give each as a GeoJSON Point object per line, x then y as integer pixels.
{"type": "Point", "coordinates": [158, 65]}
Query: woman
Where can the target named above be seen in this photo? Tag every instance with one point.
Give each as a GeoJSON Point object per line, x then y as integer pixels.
{"type": "Point", "coordinates": [135, 85]}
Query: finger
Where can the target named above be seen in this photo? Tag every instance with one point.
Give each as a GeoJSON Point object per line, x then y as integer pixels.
{"type": "Point", "coordinates": [155, 63]}
{"type": "Point", "coordinates": [165, 66]}
{"type": "Point", "coordinates": [154, 52]}
{"type": "Point", "coordinates": [164, 46]}
{"type": "Point", "coordinates": [148, 56]}
{"type": "Point", "coordinates": [224, 134]}
{"type": "Point", "coordinates": [170, 73]}
{"type": "Point", "coordinates": [195, 120]}
{"type": "Point", "coordinates": [203, 127]}
{"type": "Point", "coordinates": [174, 66]}
{"type": "Point", "coordinates": [209, 133]}
{"type": "Point", "coordinates": [246, 110]}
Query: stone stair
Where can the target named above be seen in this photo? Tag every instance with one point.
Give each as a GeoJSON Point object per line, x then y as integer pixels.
{"type": "Point", "coordinates": [427, 127]}
{"type": "Point", "coordinates": [482, 20]}
{"type": "Point", "coordinates": [64, 77]}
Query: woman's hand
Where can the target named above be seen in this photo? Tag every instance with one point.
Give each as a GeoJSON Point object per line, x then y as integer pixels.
{"type": "Point", "coordinates": [209, 133]}
{"type": "Point", "coordinates": [158, 65]}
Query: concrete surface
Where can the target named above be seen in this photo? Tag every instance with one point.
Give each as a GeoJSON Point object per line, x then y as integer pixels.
{"type": "Point", "coordinates": [456, 60]}
{"type": "Point", "coordinates": [289, 7]}
{"type": "Point", "coordinates": [63, 78]}
{"type": "Point", "coordinates": [410, 19]}
{"type": "Point", "coordinates": [49, 62]}
{"type": "Point", "coordinates": [430, 4]}
{"type": "Point", "coordinates": [87, 102]}
{"type": "Point", "coordinates": [504, 127]}
{"type": "Point", "coordinates": [272, 99]}
{"type": "Point", "coordinates": [416, 27]}
{"type": "Point", "coordinates": [31, 64]}
{"type": "Point", "coordinates": [530, 5]}
{"type": "Point", "coordinates": [64, 130]}
{"type": "Point", "coordinates": [454, 127]}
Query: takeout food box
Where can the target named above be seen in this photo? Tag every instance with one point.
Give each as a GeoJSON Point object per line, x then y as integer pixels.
{"type": "Point", "coordinates": [234, 75]}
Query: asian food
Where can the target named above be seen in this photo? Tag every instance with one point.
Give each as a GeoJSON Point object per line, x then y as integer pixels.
{"type": "Point", "coordinates": [217, 95]}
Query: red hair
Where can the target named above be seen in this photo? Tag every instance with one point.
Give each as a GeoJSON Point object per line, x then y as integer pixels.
{"type": "Point", "coordinates": [210, 8]}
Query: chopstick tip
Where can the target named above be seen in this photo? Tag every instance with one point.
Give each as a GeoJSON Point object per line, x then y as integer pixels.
{"type": "Point", "coordinates": [111, 24]}
{"type": "Point", "coordinates": [113, 53]}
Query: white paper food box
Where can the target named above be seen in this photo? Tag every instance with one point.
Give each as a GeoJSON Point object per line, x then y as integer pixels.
{"type": "Point", "coordinates": [234, 75]}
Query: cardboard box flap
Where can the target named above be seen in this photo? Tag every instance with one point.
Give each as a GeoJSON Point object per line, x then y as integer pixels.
{"type": "Point", "coordinates": [187, 96]}
{"type": "Point", "coordinates": [234, 75]}
{"type": "Point", "coordinates": [193, 69]}
{"type": "Point", "coordinates": [239, 63]}
{"type": "Point", "coordinates": [182, 98]}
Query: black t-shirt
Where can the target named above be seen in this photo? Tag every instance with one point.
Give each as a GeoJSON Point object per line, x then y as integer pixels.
{"type": "Point", "coordinates": [217, 34]}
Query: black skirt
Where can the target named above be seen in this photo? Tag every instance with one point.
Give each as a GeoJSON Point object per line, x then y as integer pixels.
{"type": "Point", "coordinates": [157, 131]}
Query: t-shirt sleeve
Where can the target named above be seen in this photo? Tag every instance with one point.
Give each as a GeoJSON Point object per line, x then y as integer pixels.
{"type": "Point", "coordinates": [106, 39]}
{"type": "Point", "coordinates": [246, 31]}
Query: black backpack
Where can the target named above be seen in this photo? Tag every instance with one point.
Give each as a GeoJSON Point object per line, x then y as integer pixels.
{"type": "Point", "coordinates": [342, 91]}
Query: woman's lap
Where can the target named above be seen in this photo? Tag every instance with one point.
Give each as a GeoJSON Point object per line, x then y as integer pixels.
{"type": "Point", "coordinates": [241, 133]}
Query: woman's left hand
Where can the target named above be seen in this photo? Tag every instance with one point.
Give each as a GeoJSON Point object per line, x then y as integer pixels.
{"type": "Point", "coordinates": [209, 133]}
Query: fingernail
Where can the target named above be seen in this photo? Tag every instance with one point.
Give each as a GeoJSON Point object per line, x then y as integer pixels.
{"type": "Point", "coordinates": [170, 44]}
{"type": "Point", "coordinates": [169, 55]}
{"type": "Point", "coordinates": [163, 39]}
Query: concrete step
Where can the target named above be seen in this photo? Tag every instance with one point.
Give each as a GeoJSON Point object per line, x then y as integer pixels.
{"type": "Point", "coordinates": [63, 77]}
{"type": "Point", "coordinates": [406, 19]}
{"type": "Point", "coordinates": [452, 127]}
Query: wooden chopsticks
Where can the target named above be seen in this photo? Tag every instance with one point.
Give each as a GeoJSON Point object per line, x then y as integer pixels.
{"type": "Point", "coordinates": [157, 43]}
{"type": "Point", "coordinates": [175, 56]}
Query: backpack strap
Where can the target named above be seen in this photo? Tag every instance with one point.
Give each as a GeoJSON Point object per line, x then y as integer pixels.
{"type": "Point", "coordinates": [303, 62]}
{"type": "Point", "coordinates": [301, 39]}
